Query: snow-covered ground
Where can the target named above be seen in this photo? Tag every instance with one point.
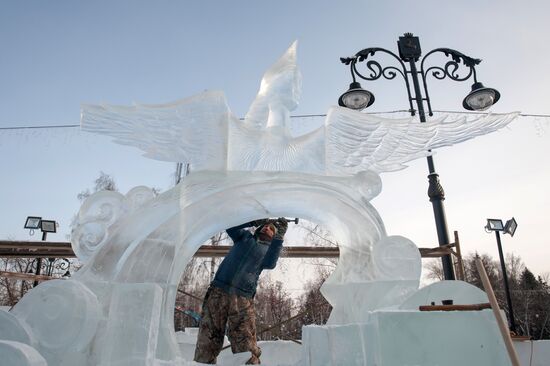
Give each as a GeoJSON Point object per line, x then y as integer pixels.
{"type": "Point", "coordinates": [287, 353]}
{"type": "Point", "coordinates": [283, 353]}
{"type": "Point", "coordinates": [274, 353]}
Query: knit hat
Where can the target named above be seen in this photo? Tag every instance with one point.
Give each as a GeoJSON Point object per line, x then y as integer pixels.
{"type": "Point", "coordinates": [272, 225]}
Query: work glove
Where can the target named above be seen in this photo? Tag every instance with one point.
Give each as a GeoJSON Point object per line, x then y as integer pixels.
{"type": "Point", "coordinates": [282, 225]}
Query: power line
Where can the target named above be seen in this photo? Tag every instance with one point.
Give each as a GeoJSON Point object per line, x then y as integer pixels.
{"type": "Point", "coordinates": [467, 112]}
{"type": "Point", "coordinates": [296, 116]}
{"type": "Point", "coordinates": [77, 125]}
{"type": "Point", "coordinates": [37, 127]}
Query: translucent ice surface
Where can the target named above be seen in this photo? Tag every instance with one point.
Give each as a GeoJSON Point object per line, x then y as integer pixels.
{"type": "Point", "coordinates": [201, 130]}
{"type": "Point", "coordinates": [95, 221]}
{"type": "Point", "coordinates": [462, 293]}
{"type": "Point", "coordinates": [118, 308]}
{"type": "Point", "coordinates": [70, 308]}
{"type": "Point", "coordinates": [450, 338]}
{"type": "Point", "coordinates": [20, 354]}
{"type": "Point", "coordinates": [14, 329]}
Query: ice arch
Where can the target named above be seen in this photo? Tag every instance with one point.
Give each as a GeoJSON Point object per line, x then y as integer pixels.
{"type": "Point", "coordinates": [118, 309]}
{"type": "Point", "coordinates": [120, 304]}
{"type": "Point", "coordinates": [155, 242]}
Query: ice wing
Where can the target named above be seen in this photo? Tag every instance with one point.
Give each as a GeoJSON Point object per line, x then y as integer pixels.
{"type": "Point", "coordinates": [356, 141]}
{"type": "Point", "coordinates": [192, 130]}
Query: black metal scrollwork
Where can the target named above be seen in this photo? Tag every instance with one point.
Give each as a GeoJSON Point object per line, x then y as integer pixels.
{"type": "Point", "coordinates": [376, 70]}
{"type": "Point", "coordinates": [457, 56]}
{"type": "Point", "coordinates": [451, 67]}
{"type": "Point", "coordinates": [450, 70]}
{"type": "Point", "coordinates": [63, 264]}
{"type": "Point", "coordinates": [51, 266]}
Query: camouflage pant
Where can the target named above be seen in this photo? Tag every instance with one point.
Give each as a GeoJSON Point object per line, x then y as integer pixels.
{"type": "Point", "coordinates": [219, 309]}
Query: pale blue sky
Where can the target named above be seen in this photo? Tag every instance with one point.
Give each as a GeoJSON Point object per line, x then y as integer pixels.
{"type": "Point", "coordinates": [58, 54]}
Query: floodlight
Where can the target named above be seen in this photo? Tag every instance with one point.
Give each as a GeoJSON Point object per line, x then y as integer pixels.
{"type": "Point", "coordinates": [48, 226]}
{"type": "Point", "coordinates": [511, 226]}
{"type": "Point", "coordinates": [33, 222]}
{"type": "Point", "coordinates": [494, 225]}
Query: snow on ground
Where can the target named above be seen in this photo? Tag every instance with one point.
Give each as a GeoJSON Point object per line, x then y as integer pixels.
{"type": "Point", "coordinates": [287, 353]}
{"type": "Point", "coordinates": [282, 353]}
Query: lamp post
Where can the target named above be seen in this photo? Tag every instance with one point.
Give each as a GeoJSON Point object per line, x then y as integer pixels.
{"type": "Point", "coordinates": [480, 98]}
{"type": "Point", "coordinates": [46, 226]}
{"type": "Point", "coordinates": [510, 228]}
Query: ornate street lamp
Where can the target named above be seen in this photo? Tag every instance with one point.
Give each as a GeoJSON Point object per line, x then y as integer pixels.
{"type": "Point", "coordinates": [480, 98]}
{"type": "Point", "coordinates": [510, 227]}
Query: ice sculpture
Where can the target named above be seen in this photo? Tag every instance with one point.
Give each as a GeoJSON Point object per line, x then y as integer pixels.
{"type": "Point", "coordinates": [118, 309]}
{"type": "Point", "coordinates": [20, 354]}
{"type": "Point", "coordinates": [202, 131]}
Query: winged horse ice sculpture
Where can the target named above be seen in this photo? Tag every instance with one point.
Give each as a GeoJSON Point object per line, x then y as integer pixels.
{"type": "Point", "coordinates": [118, 309]}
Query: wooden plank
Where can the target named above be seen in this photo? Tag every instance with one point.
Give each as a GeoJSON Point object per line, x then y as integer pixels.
{"type": "Point", "coordinates": [459, 263]}
{"type": "Point", "coordinates": [22, 249]}
{"type": "Point", "coordinates": [30, 249]}
{"type": "Point", "coordinates": [287, 252]}
{"type": "Point", "coordinates": [502, 325]}
{"type": "Point", "coordinates": [25, 276]}
{"type": "Point", "coordinates": [36, 254]}
{"type": "Point", "coordinates": [472, 307]}
{"type": "Point", "coordinates": [39, 245]}
{"type": "Point", "coordinates": [518, 338]}
{"type": "Point", "coordinates": [437, 251]}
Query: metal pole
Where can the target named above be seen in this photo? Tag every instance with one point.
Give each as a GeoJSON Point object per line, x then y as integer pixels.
{"type": "Point", "coordinates": [435, 190]}
{"type": "Point", "coordinates": [506, 288]}
{"type": "Point", "coordinates": [39, 260]}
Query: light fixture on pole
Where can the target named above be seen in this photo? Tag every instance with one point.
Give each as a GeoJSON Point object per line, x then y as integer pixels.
{"type": "Point", "coordinates": [510, 227]}
{"type": "Point", "coordinates": [494, 225]}
{"type": "Point", "coordinates": [356, 97]}
{"type": "Point", "coordinates": [480, 98]}
{"type": "Point", "coordinates": [46, 226]}
{"type": "Point", "coordinates": [32, 223]}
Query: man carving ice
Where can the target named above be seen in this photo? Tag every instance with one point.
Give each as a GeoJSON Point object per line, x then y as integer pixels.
{"type": "Point", "coordinates": [230, 297]}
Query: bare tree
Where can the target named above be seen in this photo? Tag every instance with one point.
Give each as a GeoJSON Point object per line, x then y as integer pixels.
{"type": "Point", "coordinates": [434, 269]}
{"type": "Point", "coordinates": [11, 290]}
{"type": "Point", "coordinates": [193, 285]}
{"type": "Point", "coordinates": [530, 295]}
{"type": "Point", "coordinates": [273, 305]}
{"type": "Point", "coordinates": [104, 182]}
{"type": "Point", "coordinates": [317, 309]}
